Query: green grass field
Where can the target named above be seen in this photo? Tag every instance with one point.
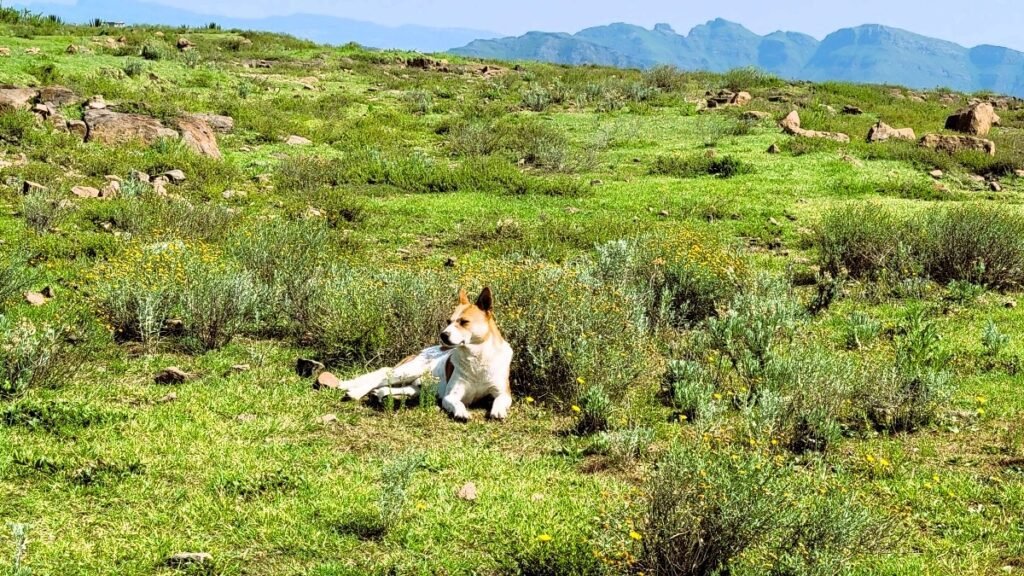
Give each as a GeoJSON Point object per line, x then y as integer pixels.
{"type": "Point", "coordinates": [794, 413]}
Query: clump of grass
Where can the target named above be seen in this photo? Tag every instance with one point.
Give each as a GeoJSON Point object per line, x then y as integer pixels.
{"type": "Point", "coordinates": [396, 477]}
{"type": "Point", "coordinates": [44, 210]}
{"type": "Point", "coordinates": [993, 340]}
{"type": "Point", "coordinates": [595, 411]}
{"type": "Point", "coordinates": [691, 389]}
{"type": "Point", "coordinates": [153, 51]}
{"type": "Point", "coordinates": [15, 276]}
{"type": "Point", "coordinates": [33, 353]}
{"type": "Point", "coordinates": [536, 99]}
{"type": "Point", "coordinates": [860, 330]}
{"type": "Point", "coordinates": [864, 240]}
{"type": "Point", "coordinates": [699, 165]}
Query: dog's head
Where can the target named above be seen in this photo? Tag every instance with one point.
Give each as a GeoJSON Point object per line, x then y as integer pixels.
{"type": "Point", "coordinates": [471, 323]}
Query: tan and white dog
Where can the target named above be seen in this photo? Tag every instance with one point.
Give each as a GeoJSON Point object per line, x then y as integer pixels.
{"type": "Point", "coordinates": [472, 363]}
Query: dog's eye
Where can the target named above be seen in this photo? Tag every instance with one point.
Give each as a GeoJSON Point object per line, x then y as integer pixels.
{"type": "Point", "coordinates": [464, 322]}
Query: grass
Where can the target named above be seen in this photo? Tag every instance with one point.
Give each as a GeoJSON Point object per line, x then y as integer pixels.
{"type": "Point", "coordinates": [683, 404]}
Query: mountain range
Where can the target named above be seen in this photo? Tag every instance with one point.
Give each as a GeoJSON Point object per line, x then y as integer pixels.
{"type": "Point", "coordinates": [870, 53]}
{"type": "Point", "coordinates": [316, 27]}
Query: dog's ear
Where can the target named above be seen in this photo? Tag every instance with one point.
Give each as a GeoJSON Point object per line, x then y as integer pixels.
{"type": "Point", "coordinates": [484, 301]}
{"type": "Point", "coordinates": [463, 297]}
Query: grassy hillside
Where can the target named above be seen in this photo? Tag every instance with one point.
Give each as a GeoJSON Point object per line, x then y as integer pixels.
{"type": "Point", "coordinates": [727, 361]}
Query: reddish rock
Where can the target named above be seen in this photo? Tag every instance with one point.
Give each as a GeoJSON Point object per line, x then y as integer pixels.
{"type": "Point", "coordinates": [952, 144]}
{"type": "Point", "coordinates": [112, 128]}
{"type": "Point", "coordinates": [976, 120]}
{"type": "Point", "coordinates": [199, 136]}
{"type": "Point", "coordinates": [17, 98]}
{"type": "Point", "coordinates": [882, 131]}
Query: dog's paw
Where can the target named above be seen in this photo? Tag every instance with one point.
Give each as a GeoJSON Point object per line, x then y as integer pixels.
{"type": "Point", "coordinates": [499, 412]}
{"type": "Point", "coordinates": [461, 413]}
{"type": "Point", "coordinates": [381, 393]}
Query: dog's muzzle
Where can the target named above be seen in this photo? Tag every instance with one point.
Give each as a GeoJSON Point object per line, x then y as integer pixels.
{"type": "Point", "coordinates": [446, 339]}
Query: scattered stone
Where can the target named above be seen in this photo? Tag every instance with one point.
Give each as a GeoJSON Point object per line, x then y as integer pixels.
{"type": "Point", "coordinates": [159, 185]}
{"type": "Point", "coordinates": [33, 51]}
{"type": "Point", "coordinates": [728, 98]}
{"type": "Point", "coordinates": [467, 492]}
{"type": "Point", "coordinates": [572, 210]}
{"type": "Point", "coordinates": [537, 497]}
{"type": "Point", "coordinates": [174, 176]}
{"type": "Point", "coordinates": [881, 132]}
{"type": "Point", "coordinates": [35, 298]}
{"type": "Point", "coordinates": [219, 123]}
{"type": "Point", "coordinates": [172, 375]}
{"type": "Point", "coordinates": [791, 125]}
{"type": "Point", "coordinates": [5, 51]}
{"type": "Point", "coordinates": [17, 98]}
{"type": "Point", "coordinates": [189, 560]}
{"type": "Point", "coordinates": [308, 368]}
{"type": "Point", "coordinates": [29, 187]}
{"type": "Point", "coordinates": [85, 191]}
{"type": "Point", "coordinates": [47, 292]}
{"type": "Point", "coordinates": [239, 368]}
{"type": "Point", "coordinates": [1018, 173]}
{"type": "Point", "coordinates": [663, 213]}
{"type": "Point", "coordinates": [79, 128]}
{"type": "Point", "coordinates": [976, 120]}
{"type": "Point", "coordinates": [229, 194]}
{"type": "Point", "coordinates": [756, 115]}
{"type": "Point", "coordinates": [851, 160]}
{"type": "Point", "coordinates": [246, 418]}
{"type": "Point", "coordinates": [111, 128]}
{"type": "Point", "coordinates": [96, 103]}
{"type": "Point", "coordinates": [995, 186]}
{"type": "Point", "coordinates": [450, 262]}
{"type": "Point", "coordinates": [168, 398]}
{"type": "Point", "coordinates": [312, 213]}
{"type": "Point", "coordinates": [976, 179]}
{"type": "Point", "coordinates": [139, 176]}
{"type": "Point", "coordinates": [953, 144]}
{"type": "Point", "coordinates": [1010, 304]}
{"type": "Point", "coordinates": [111, 189]}
{"type": "Point", "coordinates": [199, 136]}
{"type": "Point", "coordinates": [328, 419]}
{"type": "Point", "coordinates": [327, 381]}
{"type": "Point", "coordinates": [936, 173]}
{"type": "Point", "coordinates": [58, 96]}
{"type": "Point", "coordinates": [427, 63]}
{"type": "Point", "coordinates": [774, 149]}
{"type": "Point", "coordinates": [596, 182]}
{"type": "Point", "coordinates": [294, 140]}
{"type": "Point", "coordinates": [184, 44]}
{"type": "Point", "coordinates": [852, 110]}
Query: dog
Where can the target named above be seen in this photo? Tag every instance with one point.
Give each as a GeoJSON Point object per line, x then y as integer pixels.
{"type": "Point", "coordinates": [472, 362]}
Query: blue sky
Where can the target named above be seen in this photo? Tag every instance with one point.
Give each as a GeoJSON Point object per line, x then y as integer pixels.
{"type": "Point", "coordinates": [966, 22]}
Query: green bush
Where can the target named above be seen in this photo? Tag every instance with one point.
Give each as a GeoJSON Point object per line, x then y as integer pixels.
{"type": "Point", "coordinates": [34, 353]}
{"type": "Point", "coordinates": [15, 276]}
{"type": "Point", "coordinates": [699, 165]}
{"type": "Point", "coordinates": [865, 240]}
{"type": "Point", "coordinates": [595, 411]}
{"type": "Point", "coordinates": [714, 512]}
{"type": "Point", "coordinates": [860, 330]}
{"type": "Point", "coordinates": [153, 51]}
{"type": "Point", "coordinates": [973, 242]}
{"type": "Point", "coordinates": [691, 390]}
{"type": "Point", "coordinates": [44, 210]}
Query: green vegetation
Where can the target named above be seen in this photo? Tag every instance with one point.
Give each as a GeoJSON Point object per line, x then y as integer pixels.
{"type": "Point", "coordinates": [726, 361]}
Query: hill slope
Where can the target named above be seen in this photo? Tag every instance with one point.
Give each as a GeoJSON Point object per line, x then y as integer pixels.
{"type": "Point", "coordinates": [869, 53]}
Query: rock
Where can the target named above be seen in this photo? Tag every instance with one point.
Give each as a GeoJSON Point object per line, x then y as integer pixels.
{"type": "Point", "coordinates": [172, 375]}
{"type": "Point", "coordinates": [159, 185]}
{"type": "Point", "coordinates": [307, 367]}
{"type": "Point", "coordinates": [851, 160]}
{"type": "Point", "coordinates": [467, 492]}
{"type": "Point", "coordinates": [663, 213]}
{"type": "Point", "coordinates": [111, 189]}
{"type": "Point", "coordinates": [239, 368]}
{"type": "Point", "coordinates": [976, 120]}
{"type": "Point", "coordinates": [246, 418]}
{"type": "Point", "coordinates": [294, 140]}
{"type": "Point", "coordinates": [791, 125]}
{"type": "Point", "coordinates": [756, 115]}
{"type": "Point", "coordinates": [112, 128]}
{"type": "Point", "coordinates": [96, 103]}
{"type": "Point", "coordinates": [427, 63]}
{"type": "Point", "coordinates": [35, 298]}
{"type": "Point", "coordinates": [58, 96]}
{"type": "Point", "coordinates": [184, 43]}
{"type": "Point", "coordinates": [33, 51]}
{"type": "Point", "coordinates": [79, 128]}
{"type": "Point", "coordinates": [85, 191]}
{"type": "Point", "coordinates": [174, 176]}
{"type": "Point", "coordinates": [47, 292]}
{"type": "Point", "coordinates": [28, 187]}
{"type": "Point", "coordinates": [328, 419]}
{"type": "Point", "coordinates": [229, 194]}
{"type": "Point", "coordinates": [852, 110]}
{"type": "Point", "coordinates": [881, 132]}
{"type": "Point", "coordinates": [199, 136]}
{"type": "Point", "coordinates": [728, 98]}
{"type": "Point", "coordinates": [312, 213]}
{"type": "Point", "coordinates": [5, 51]}
{"type": "Point", "coordinates": [1010, 304]}
{"type": "Point", "coordinates": [139, 176]}
{"type": "Point", "coordinates": [219, 123]}
{"type": "Point", "coordinates": [17, 98]}
{"type": "Point", "coordinates": [189, 560]}
{"type": "Point", "coordinates": [1018, 173]}
{"type": "Point", "coordinates": [995, 186]}
{"type": "Point", "coordinates": [327, 381]}
{"type": "Point", "coordinates": [935, 174]}
{"type": "Point", "coordinates": [168, 398]}
{"type": "Point", "coordinates": [774, 149]}
{"type": "Point", "coordinates": [952, 144]}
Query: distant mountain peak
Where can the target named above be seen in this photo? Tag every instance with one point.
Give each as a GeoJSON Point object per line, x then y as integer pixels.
{"type": "Point", "coordinates": [871, 53]}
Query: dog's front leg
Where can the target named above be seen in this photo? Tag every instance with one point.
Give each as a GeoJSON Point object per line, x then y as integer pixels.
{"type": "Point", "coordinates": [361, 386]}
{"type": "Point", "coordinates": [501, 405]}
{"type": "Point", "coordinates": [452, 402]}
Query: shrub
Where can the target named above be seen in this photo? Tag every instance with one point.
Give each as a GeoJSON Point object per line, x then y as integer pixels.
{"type": "Point", "coordinates": [288, 260]}
{"type": "Point", "coordinates": [15, 276]}
{"type": "Point", "coordinates": [993, 340]}
{"type": "Point", "coordinates": [623, 447]}
{"type": "Point", "coordinates": [595, 410]}
{"type": "Point", "coordinates": [33, 354]}
{"type": "Point", "coordinates": [864, 240]}
{"type": "Point", "coordinates": [536, 99]}
{"type": "Point", "coordinates": [670, 281]}
{"type": "Point", "coordinates": [395, 478]}
{"type": "Point", "coordinates": [749, 78]}
{"type": "Point", "coordinates": [909, 394]}
{"type": "Point", "coordinates": [518, 139]}
{"type": "Point", "coordinates": [153, 51]}
{"type": "Point", "coordinates": [707, 511]}
{"type": "Point", "coordinates": [133, 68]}
{"type": "Point", "coordinates": [691, 389]}
{"type": "Point", "coordinates": [972, 242]}
{"type": "Point", "coordinates": [699, 165]}
{"type": "Point", "coordinates": [44, 210]}
{"type": "Point", "coordinates": [860, 330]}
{"type": "Point", "coordinates": [420, 101]}
{"type": "Point", "coordinates": [146, 287]}
{"type": "Point", "coordinates": [552, 558]}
